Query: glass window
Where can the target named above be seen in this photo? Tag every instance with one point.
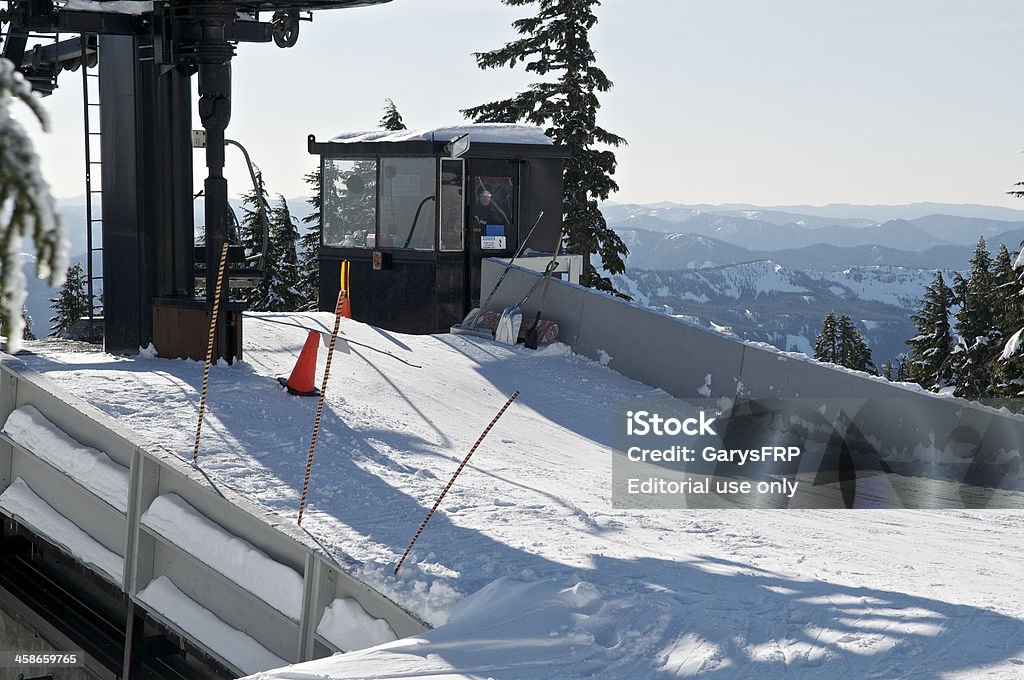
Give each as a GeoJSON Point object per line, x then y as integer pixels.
{"type": "Point", "coordinates": [494, 210]}
{"type": "Point", "coordinates": [407, 203]}
{"type": "Point", "coordinates": [452, 206]}
{"type": "Point", "coordinates": [350, 197]}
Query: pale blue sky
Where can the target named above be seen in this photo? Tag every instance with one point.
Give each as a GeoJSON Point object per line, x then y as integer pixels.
{"type": "Point", "coordinates": [768, 102]}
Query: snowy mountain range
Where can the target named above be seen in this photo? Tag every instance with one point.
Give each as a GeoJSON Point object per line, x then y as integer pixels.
{"type": "Point", "coordinates": [768, 302]}
{"type": "Point", "coordinates": [772, 274]}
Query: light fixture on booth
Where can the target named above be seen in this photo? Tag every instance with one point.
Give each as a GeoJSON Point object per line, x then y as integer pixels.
{"type": "Point", "coordinates": [458, 146]}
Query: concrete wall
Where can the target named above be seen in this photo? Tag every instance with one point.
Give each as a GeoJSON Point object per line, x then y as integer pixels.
{"type": "Point", "coordinates": [665, 352]}
{"type": "Point", "coordinates": [153, 472]}
{"type": "Point", "coordinates": [20, 636]}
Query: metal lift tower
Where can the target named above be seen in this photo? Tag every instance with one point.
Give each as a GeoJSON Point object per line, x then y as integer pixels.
{"type": "Point", "coordinates": [147, 53]}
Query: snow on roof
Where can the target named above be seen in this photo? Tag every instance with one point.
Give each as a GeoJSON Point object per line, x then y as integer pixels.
{"type": "Point", "coordinates": [495, 133]}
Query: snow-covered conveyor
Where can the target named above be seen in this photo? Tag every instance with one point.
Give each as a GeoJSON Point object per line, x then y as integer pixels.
{"type": "Point", "coordinates": [147, 533]}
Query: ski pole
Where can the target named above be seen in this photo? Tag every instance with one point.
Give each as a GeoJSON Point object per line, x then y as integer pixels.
{"type": "Point", "coordinates": [209, 347]}
{"type": "Point", "coordinates": [320, 403]}
{"type": "Point", "coordinates": [452, 480]}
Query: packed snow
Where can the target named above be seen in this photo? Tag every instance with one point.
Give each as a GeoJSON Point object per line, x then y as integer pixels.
{"type": "Point", "coordinates": [276, 584]}
{"type": "Point", "coordinates": [92, 469]}
{"type": "Point", "coordinates": [527, 570]}
{"type": "Point", "coordinates": [234, 646]}
{"type": "Point", "coordinates": [21, 502]}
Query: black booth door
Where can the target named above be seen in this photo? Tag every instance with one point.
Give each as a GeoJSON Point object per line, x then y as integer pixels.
{"type": "Point", "coordinates": [492, 217]}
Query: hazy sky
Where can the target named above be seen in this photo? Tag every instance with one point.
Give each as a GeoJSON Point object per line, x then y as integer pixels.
{"type": "Point", "coordinates": [767, 102]}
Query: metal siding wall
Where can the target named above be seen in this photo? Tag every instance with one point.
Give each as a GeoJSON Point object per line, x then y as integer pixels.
{"type": "Point", "coordinates": [155, 471]}
{"type": "Point", "coordinates": [663, 352]}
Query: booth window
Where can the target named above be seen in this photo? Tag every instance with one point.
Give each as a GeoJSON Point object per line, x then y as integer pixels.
{"type": "Point", "coordinates": [407, 203]}
{"type": "Point", "coordinates": [494, 210]}
{"type": "Point", "coordinates": [452, 204]}
{"type": "Point", "coordinates": [350, 198]}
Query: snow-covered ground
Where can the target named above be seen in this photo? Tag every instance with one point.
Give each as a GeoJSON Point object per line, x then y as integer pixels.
{"type": "Point", "coordinates": [527, 571]}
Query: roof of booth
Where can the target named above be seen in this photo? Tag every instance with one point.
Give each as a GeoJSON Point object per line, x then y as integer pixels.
{"type": "Point", "coordinates": [491, 133]}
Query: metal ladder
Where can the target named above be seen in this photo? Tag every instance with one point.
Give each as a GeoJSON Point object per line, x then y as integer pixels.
{"type": "Point", "coordinates": [93, 182]}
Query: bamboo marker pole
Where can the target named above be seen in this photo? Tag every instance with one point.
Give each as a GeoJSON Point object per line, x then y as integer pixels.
{"type": "Point", "coordinates": [320, 402]}
{"type": "Point", "coordinates": [209, 347]}
{"type": "Point", "coordinates": [452, 480]}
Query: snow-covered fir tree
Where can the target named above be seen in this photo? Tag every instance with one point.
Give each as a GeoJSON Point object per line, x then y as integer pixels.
{"type": "Point", "coordinates": [392, 119]}
{"type": "Point", "coordinates": [556, 44]}
{"type": "Point", "coordinates": [841, 343]}
{"type": "Point", "coordinates": [25, 323]}
{"type": "Point", "coordinates": [901, 368]}
{"type": "Point", "coordinates": [278, 291]}
{"type": "Point", "coordinates": [976, 327]}
{"type": "Point", "coordinates": [255, 209]}
{"type": "Point", "coordinates": [71, 303]}
{"type": "Point", "coordinates": [309, 246]}
{"type": "Point", "coordinates": [826, 346]}
{"type": "Point", "coordinates": [1008, 370]}
{"type": "Point", "coordinates": [26, 206]}
{"type": "Point", "coordinates": [931, 349]}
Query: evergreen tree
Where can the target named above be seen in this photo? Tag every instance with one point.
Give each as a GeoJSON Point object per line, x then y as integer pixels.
{"type": "Point", "coordinates": [278, 290]}
{"type": "Point", "coordinates": [887, 371]}
{"type": "Point", "coordinates": [826, 346]}
{"type": "Point", "coordinates": [71, 303]}
{"type": "Point", "coordinates": [309, 246]}
{"type": "Point", "coordinates": [26, 206]}
{"type": "Point", "coordinates": [1009, 305]}
{"type": "Point", "coordinates": [556, 42]}
{"type": "Point", "coordinates": [392, 119]}
{"type": "Point", "coordinates": [1008, 371]}
{"type": "Point", "coordinates": [255, 208]}
{"type": "Point", "coordinates": [24, 323]}
{"type": "Point", "coordinates": [841, 343]}
{"type": "Point", "coordinates": [902, 368]}
{"type": "Point", "coordinates": [931, 349]}
{"type": "Point", "coordinates": [979, 336]}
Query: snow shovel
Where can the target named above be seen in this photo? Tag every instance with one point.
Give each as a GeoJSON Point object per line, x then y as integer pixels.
{"type": "Point", "coordinates": [533, 336]}
{"type": "Point", "coordinates": [483, 308]}
{"type": "Point", "coordinates": [512, 317]}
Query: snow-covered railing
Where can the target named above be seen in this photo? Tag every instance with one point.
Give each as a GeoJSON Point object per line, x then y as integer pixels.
{"type": "Point", "coordinates": [203, 561]}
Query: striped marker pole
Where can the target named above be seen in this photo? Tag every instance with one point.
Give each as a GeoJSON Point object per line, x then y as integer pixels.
{"type": "Point", "coordinates": [209, 347]}
{"type": "Point", "coordinates": [320, 403]}
{"type": "Point", "coordinates": [452, 480]}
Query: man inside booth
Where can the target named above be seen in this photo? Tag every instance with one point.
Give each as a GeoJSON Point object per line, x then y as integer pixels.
{"type": "Point", "coordinates": [487, 211]}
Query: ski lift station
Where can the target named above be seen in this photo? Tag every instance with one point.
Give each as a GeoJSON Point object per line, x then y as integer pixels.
{"type": "Point", "coordinates": [415, 213]}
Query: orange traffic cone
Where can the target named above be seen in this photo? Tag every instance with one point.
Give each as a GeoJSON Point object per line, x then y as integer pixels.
{"type": "Point", "coordinates": [303, 378]}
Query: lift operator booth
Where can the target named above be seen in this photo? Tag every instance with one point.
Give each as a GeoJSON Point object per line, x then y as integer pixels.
{"type": "Point", "coordinates": [415, 212]}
